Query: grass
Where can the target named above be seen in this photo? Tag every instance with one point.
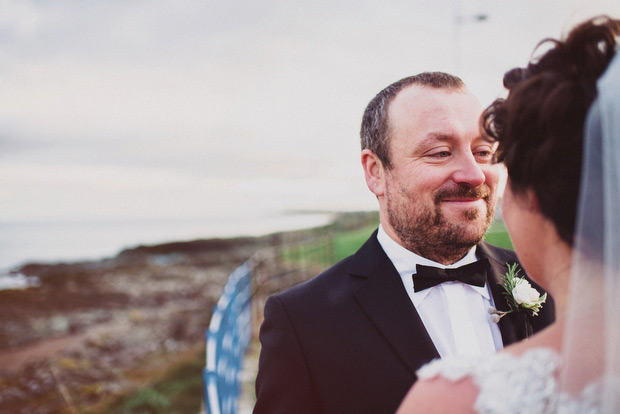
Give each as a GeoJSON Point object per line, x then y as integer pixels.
{"type": "Point", "coordinates": [177, 391]}
{"type": "Point", "coordinates": [329, 249]}
{"type": "Point", "coordinates": [347, 243]}
{"type": "Point", "coordinates": [498, 235]}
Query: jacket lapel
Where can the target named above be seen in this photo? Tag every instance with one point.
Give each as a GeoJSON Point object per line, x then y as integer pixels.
{"type": "Point", "coordinates": [384, 300]}
{"type": "Point", "coordinates": [386, 303]}
{"type": "Point", "coordinates": [508, 324]}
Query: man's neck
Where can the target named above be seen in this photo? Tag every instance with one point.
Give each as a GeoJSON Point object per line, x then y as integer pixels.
{"type": "Point", "coordinates": [437, 252]}
{"type": "Point", "coordinates": [446, 255]}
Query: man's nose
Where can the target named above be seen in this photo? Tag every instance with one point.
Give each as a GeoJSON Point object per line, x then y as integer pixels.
{"type": "Point", "coordinates": [468, 171]}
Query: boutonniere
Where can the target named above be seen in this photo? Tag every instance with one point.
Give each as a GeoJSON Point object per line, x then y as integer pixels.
{"type": "Point", "coordinates": [520, 295]}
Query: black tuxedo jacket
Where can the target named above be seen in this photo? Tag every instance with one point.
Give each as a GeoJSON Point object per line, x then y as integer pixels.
{"type": "Point", "coordinates": [350, 340]}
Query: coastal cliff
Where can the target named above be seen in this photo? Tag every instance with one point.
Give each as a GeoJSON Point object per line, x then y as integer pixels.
{"type": "Point", "coordinates": [90, 332]}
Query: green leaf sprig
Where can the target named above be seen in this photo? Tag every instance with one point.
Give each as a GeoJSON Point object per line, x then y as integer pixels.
{"type": "Point", "coordinates": [520, 295]}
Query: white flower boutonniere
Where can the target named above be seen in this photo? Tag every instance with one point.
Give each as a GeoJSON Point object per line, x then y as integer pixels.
{"type": "Point", "coordinates": [527, 297]}
{"type": "Point", "coordinates": [520, 295]}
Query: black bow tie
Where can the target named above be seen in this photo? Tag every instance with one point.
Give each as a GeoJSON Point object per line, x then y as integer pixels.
{"type": "Point", "coordinates": [429, 276]}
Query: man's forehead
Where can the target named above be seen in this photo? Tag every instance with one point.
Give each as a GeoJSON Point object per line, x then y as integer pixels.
{"type": "Point", "coordinates": [425, 98]}
{"type": "Point", "coordinates": [438, 136]}
{"type": "Point", "coordinates": [430, 110]}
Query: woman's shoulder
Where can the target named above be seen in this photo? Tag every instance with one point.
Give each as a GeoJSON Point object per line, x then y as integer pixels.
{"type": "Point", "coordinates": [536, 361]}
{"type": "Point", "coordinates": [499, 383]}
{"type": "Point", "coordinates": [440, 395]}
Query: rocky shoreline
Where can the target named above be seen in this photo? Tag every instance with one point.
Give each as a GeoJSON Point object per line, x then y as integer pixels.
{"type": "Point", "coordinates": [93, 330]}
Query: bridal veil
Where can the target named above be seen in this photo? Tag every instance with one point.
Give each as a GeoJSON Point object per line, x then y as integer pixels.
{"type": "Point", "coordinates": [591, 352]}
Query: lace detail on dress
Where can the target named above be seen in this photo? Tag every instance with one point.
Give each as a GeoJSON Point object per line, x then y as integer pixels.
{"type": "Point", "coordinates": [510, 384]}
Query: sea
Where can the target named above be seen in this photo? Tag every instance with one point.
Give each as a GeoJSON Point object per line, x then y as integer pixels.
{"type": "Point", "coordinates": [72, 241]}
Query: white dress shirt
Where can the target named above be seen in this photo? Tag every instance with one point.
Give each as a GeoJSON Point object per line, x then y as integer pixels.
{"type": "Point", "coordinates": [454, 313]}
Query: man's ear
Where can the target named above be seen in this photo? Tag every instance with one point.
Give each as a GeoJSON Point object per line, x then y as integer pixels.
{"type": "Point", "coordinates": [374, 172]}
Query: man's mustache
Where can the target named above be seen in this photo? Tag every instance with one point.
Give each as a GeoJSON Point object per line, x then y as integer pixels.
{"type": "Point", "coordinates": [463, 191]}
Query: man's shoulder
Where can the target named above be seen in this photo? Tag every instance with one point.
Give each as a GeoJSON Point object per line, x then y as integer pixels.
{"type": "Point", "coordinates": [339, 276]}
{"type": "Point", "coordinates": [328, 279]}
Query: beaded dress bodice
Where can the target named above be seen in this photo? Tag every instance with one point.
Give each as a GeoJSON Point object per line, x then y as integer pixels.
{"type": "Point", "coordinates": [516, 384]}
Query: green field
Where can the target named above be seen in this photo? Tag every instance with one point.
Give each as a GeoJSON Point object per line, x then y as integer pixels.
{"type": "Point", "coordinates": [498, 235]}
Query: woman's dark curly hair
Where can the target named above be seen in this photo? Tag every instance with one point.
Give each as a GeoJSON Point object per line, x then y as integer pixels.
{"type": "Point", "coordinates": [540, 125]}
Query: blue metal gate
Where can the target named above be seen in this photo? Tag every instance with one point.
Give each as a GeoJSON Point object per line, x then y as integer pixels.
{"type": "Point", "coordinates": [228, 337]}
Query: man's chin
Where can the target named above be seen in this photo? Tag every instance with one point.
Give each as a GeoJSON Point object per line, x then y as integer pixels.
{"type": "Point", "coordinates": [468, 232]}
{"type": "Point", "coordinates": [463, 215]}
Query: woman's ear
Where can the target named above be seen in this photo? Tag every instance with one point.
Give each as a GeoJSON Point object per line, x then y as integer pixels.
{"type": "Point", "coordinates": [373, 172]}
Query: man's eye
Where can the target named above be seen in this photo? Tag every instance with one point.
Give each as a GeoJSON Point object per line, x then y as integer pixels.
{"type": "Point", "coordinates": [441, 154]}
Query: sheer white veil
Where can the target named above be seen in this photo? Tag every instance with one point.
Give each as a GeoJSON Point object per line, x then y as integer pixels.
{"type": "Point", "coordinates": [591, 346]}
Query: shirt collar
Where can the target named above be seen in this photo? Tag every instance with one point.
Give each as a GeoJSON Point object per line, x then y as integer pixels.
{"type": "Point", "coordinates": [405, 261]}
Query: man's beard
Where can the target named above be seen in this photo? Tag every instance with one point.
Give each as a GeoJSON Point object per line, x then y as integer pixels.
{"type": "Point", "coordinates": [430, 235]}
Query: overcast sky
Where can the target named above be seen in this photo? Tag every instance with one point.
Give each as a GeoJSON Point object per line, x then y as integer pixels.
{"type": "Point", "coordinates": [166, 108]}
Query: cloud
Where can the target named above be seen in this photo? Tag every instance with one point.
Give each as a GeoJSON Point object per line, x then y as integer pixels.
{"type": "Point", "coordinates": [166, 95]}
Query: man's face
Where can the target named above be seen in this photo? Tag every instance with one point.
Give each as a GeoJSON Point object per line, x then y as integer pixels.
{"type": "Point", "coordinates": [440, 194]}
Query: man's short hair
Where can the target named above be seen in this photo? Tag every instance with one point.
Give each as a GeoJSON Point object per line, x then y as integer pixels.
{"type": "Point", "coordinates": [375, 130]}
